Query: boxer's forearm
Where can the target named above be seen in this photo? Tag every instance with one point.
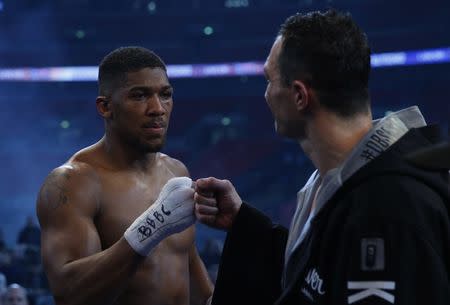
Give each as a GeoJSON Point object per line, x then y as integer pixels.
{"type": "Point", "coordinates": [97, 279]}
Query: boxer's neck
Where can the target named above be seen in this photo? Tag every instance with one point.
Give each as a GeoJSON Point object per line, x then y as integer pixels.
{"type": "Point", "coordinates": [330, 139]}
{"type": "Point", "coordinates": [126, 156]}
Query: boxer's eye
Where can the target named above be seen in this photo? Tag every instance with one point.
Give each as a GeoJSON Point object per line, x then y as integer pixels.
{"type": "Point", "coordinates": [138, 95]}
{"type": "Point", "coordinates": [166, 95]}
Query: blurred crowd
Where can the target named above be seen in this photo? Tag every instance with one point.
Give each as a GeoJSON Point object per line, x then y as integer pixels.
{"type": "Point", "coordinates": [22, 280]}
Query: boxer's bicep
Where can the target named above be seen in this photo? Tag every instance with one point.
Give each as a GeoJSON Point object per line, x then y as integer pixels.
{"type": "Point", "coordinates": [66, 207]}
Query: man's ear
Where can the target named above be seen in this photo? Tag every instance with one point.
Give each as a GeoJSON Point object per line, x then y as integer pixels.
{"type": "Point", "coordinates": [103, 106]}
{"type": "Point", "coordinates": [302, 94]}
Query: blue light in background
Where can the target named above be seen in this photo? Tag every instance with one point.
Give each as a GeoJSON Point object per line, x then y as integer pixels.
{"type": "Point", "coordinates": [208, 30]}
{"type": "Point", "coordinates": [89, 73]}
{"type": "Point", "coordinates": [151, 6]}
{"type": "Point", "coordinates": [408, 58]}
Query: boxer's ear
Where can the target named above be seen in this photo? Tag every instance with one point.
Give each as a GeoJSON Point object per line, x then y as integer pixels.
{"type": "Point", "coordinates": [302, 95]}
{"type": "Point", "coordinates": [103, 106]}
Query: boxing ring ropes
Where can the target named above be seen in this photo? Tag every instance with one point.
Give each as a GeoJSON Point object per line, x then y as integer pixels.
{"type": "Point", "coordinates": [89, 73]}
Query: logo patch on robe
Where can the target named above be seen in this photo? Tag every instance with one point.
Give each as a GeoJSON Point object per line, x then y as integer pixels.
{"type": "Point", "coordinates": [372, 254]}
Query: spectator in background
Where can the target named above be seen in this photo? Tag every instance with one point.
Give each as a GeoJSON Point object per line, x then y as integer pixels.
{"type": "Point", "coordinates": [29, 243]}
{"type": "Point", "coordinates": [15, 295]}
{"type": "Point", "coordinates": [30, 234]}
{"type": "Point", "coordinates": [2, 287]}
{"type": "Point", "coordinates": [5, 255]}
{"type": "Point", "coordinates": [2, 241]}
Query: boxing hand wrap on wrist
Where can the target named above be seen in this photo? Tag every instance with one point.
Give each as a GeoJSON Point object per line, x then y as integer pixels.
{"type": "Point", "coordinates": [171, 213]}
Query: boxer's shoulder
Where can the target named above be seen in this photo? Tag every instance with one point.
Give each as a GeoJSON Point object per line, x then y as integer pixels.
{"type": "Point", "coordinates": [78, 170]}
{"type": "Point", "coordinates": [69, 185]}
{"type": "Point", "coordinates": [89, 159]}
{"type": "Point", "coordinates": [174, 165]}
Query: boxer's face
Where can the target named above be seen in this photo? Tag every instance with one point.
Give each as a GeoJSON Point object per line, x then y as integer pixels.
{"type": "Point", "coordinates": [141, 109]}
{"type": "Point", "coordinates": [280, 98]}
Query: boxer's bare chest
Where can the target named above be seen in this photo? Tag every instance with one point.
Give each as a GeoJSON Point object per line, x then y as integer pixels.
{"type": "Point", "coordinates": [125, 195]}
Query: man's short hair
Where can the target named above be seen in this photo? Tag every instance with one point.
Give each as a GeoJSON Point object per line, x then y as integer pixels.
{"type": "Point", "coordinates": [114, 67]}
{"type": "Point", "coordinates": [329, 52]}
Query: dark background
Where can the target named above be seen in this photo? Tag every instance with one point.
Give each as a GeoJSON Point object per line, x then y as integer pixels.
{"type": "Point", "coordinates": [220, 126]}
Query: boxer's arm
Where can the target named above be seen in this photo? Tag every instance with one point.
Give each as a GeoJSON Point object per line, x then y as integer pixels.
{"type": "Point", "coordinates": [78, 271]}
{"type": "Point", "coordinates": [201, 287]}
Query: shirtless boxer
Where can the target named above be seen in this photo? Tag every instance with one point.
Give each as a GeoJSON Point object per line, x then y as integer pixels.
{"type": "Point", "coordinates": [108, 225]}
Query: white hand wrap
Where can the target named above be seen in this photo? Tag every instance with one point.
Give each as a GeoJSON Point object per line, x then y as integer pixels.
{"type": "Point", "coordinates": [171, 213]}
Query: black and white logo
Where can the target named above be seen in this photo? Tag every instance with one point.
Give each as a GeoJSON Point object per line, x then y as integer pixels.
{"type": "Point", "coordinates": [313, 283]}
{"type": "Point", "coordinates": [375, 288]}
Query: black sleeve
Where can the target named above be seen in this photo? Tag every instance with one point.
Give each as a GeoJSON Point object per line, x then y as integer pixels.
{"type": "Point", "coordinates": [252, 261]}
{"type": "Point", "coordinates": [396, 249]}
